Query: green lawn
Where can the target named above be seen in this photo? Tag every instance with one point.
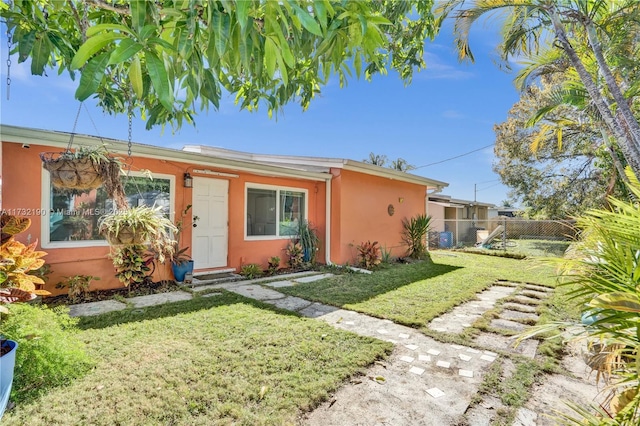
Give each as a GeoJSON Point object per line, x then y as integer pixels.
{"type": "Point", "coordinates": [414, 294]}
{"type": "Point", "coordinates": [214, 360]}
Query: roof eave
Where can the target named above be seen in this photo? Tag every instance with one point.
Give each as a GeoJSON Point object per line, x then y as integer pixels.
{"type": "Point", "coordinates": [61, 140]}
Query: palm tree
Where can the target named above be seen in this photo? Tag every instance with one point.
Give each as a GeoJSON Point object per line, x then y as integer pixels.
{"type": "Point", "coordinates": [578, 31]}
{"type": "Point", "coordinates": [401, 165]}
{"type": "Point", "coordinates": [375, 159]}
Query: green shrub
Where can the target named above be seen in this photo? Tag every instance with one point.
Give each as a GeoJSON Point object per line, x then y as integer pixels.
{"type": "Point", "coordinates": [274, 264]}
{"type": "Point", "coordinates": [49, 354]}
{"type": "Point", "coordinates": [414, 231]}
{"type": "Point", "coordinates": [251, 271]}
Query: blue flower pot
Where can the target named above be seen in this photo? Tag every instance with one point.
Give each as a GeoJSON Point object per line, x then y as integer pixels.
{"type": "Point", "coordinates": [7, 363]}
{"type": "Point", "coordinates": [306, 254]}
{"type": "Point", "coordinates": [181, 269]}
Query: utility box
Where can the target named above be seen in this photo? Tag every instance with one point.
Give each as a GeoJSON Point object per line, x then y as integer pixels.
{"type": "Point", "coordinates": [446, 239]}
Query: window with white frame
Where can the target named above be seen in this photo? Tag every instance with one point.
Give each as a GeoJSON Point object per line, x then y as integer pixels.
{"type": "Point", "coordinates": [274, 212]}
{"type": "Point", "coordinates": [73, 217]}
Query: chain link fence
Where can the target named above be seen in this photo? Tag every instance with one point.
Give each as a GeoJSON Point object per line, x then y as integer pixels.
{"type": "Point", "coordinates": [531, 237]}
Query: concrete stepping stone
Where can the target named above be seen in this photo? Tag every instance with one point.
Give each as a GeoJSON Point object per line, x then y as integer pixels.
{"type": "Point", "coordinates": [534, 294]}
{"type": "Point", "coordinates": [316, 310]}
{"type": "Point", "coordinates": [507, 325]}
{"type": "Point", "coordinates": [280, 284]}
{"type": "Point", "coordinates": [497, 342]}
{"type": "Point", "coordinates": [257, 292]}
{"type": "Point", "coordinates": [435, 392]}
{"type": "Point", "coordinates": [312, 278]}
{"type": "Point", "coordinates": [159, 299]}
{"type": "Point", "coordinates": [516, 315]}
{"type": "Point", "coordinates": [290, 303]}
{"type": "Point", "coordinates": [540, 288]}
{"type": "Point", "coordinates": [95, 308]}
{"type": "Point", "coordinates": [465, 373]}
{"type": "Point", "coordinates": [416, 370]}
{"type": "Point", "coordinates": [211, 294]}
{"type": "Point", "coordinates": [524, 300]}
{"type": "Point", "coordinates": [521, 308]}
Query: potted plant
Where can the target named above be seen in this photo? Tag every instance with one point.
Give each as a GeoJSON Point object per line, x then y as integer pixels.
{"type": "Point", "coordinates": [17, 284]}
{"type": "Point", "coordinates": [137, 225]}
{"type": "Point", "coordinates": [85, 169]}
{"type": "Point", "coordinates": [181, 262]}
{"type": "Point", "coordinates": [133, 231]}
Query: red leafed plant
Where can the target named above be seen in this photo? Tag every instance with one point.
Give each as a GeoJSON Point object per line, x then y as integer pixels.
{"type": "Point", "coordinates": [369, 254]}
{"type": "Point", "coordinates": [17, 262]}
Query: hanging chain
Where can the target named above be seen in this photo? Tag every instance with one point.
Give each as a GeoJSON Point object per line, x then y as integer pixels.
{"type": "Point", "coordinates": [130, 114]}
{"type": "Point", "coordinates": [130, 119]}
{"type": "Point", "coordinates": [9, 44]}
{"type": "Point", "coordinates": [73, 132]}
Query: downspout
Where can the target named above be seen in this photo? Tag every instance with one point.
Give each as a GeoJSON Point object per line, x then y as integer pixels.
{"type": "Point", "coordinates": [426, 206]}
{"type": "Point", "coordinates": [327, 227]}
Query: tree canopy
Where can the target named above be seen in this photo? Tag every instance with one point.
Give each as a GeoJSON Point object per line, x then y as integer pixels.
{"type": "Point", "coordinates": [553, 175]}
{"type": "Point", "coordinates": [168, 59]}
{"type": "Point", "coordinates": [597, 38]}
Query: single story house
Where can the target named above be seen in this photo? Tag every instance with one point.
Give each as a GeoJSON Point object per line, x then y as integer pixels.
{"type": "Point", "coordinates": [460, 218]}
{"type": "Point", "coordinates": [243, 210]}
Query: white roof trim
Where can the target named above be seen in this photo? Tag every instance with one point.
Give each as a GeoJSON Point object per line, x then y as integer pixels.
{"type": "Point", "coordinates": [318, 163]}
{"type": "Point", "coordinates": [15, 134]}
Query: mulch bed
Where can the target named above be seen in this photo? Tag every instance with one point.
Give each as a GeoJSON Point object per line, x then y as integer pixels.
{"type": "Point", "coordinates": [135, 289]}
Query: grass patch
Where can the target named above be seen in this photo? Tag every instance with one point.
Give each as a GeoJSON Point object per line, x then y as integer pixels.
{"type": "Point", "coordinates": [524, 248]}
{"type": "Point", "coordinates": [414, 294]}
{"type": "Point", "coordinates": [217, 360]}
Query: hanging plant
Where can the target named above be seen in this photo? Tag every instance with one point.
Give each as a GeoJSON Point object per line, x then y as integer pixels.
{"type": "Point", "coordinates": [140, 225]}
{"type": "Point", "coordinates": [85, 169]}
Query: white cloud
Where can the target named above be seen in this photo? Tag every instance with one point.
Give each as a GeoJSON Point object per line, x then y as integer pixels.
{"type": "Point", "coordinates": [439, 70]}
{"type": "Point", "coordinates": [451, 113]}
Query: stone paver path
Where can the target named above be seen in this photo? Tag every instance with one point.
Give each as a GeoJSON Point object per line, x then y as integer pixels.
{"type": "Point", "coordinates": [465, 315]}
{"type": "Point", "coordinates": [423, 381]}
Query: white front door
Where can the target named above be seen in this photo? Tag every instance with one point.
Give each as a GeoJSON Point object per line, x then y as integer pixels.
{"type": "Point", "coordinates": [210, 236]}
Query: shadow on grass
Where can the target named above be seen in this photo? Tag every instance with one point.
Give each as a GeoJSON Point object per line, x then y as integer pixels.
{"type": "Point", "coordinates": [198, 303]}
{"type": "Point", "coordinates": [355, 288]}
{"type": "Point", "coordinates": [552, 248]}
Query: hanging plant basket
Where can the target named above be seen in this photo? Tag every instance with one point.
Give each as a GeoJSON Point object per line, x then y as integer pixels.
{"type": "Point", "coordinates": [69, 172]}
{"type": "Point", "coordinates": [126, 235]}
{"type": "Point", "coordinates": [137, 225]}
{"type": "Point", "coordinates": [85, 169]}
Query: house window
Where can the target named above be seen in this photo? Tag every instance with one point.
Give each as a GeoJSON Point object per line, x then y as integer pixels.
{"type": "Point", "coordinates": [73, 219]}
{"type": "Point", "coordinates": [274, 212]}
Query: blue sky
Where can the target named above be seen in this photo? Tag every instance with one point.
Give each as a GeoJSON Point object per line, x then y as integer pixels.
{"type": "Point", "coordinates": [448, 110]}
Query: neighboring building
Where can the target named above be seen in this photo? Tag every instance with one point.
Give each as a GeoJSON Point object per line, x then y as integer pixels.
{"type": "Point", "coordinates": [504, 212]}
{"type": "Point", "coordinates": [461, 218]}
{"type": "Point", "coordinates": [246, 204]}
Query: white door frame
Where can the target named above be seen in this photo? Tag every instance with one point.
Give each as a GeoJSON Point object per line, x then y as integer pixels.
{"type": "Point", "coordinates": [210, 238]}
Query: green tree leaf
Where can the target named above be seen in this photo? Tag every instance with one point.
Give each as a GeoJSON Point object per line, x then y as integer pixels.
{"type": "Point", "coordinates": [92, 75]}
{"type": "Point", "coordinates": [159, 80]}
{"type": "Point", "coordinates": [92, 46]}
{"type": "Point", "coordinates": [135, 77]}
{"type": "Point", "coordinates": [242, 12]}
{"type": "Point", "coordinates": [125, 50]}
{"type": "Point", "coordinates": [307, 21]}
{"type": "Point", "coordinates": [138, 13]}
{"type": "Point", "coordinates": [40, 55]}
{"type": "Point", "coordinates": [26, 44]}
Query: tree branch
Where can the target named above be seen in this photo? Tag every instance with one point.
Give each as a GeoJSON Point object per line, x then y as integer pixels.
{"type": "Point", "coordinates": [124, 10]}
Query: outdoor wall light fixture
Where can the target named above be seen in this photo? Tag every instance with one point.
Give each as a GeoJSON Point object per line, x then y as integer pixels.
{"type": "Point", "coordinates": [401, 200]}
{"type": "Point", "coordinates": [188, 180]}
